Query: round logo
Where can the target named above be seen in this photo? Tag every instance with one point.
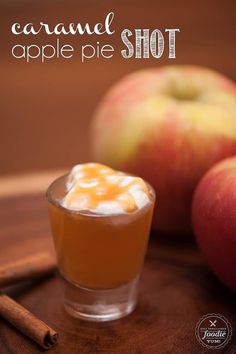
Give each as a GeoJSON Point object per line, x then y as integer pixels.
{"type": "Point", "coordinates": [213, 331]}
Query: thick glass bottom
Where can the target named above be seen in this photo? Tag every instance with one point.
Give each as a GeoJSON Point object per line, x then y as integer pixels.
{"type": "Point", "coordinates": [101, 305]}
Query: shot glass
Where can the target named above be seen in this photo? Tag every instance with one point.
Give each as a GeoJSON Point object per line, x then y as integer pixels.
{"type": "Point", "coordinates": [100, 257]}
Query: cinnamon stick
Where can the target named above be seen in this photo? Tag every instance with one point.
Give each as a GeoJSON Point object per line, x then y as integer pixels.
{"type": "Point", "coordinates": [27, 323]}
{"type": "Point", "coordinates": [31, 267]}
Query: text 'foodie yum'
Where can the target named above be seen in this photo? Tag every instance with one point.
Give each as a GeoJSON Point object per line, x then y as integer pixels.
{"type": "Point", "coordinates": [138, 43]}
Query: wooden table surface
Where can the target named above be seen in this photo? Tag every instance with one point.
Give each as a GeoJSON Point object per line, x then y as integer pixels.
{"type": "Point", "coordinates": [176, 290]}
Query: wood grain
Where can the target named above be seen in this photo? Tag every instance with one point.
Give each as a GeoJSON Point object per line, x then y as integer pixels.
{"type": "Point", "coordinates": [27, 183]}
{"type": "Point", "coordinates": [176, 290]}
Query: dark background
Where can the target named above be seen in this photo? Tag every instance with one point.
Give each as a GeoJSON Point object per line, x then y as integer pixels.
{"type": "Point", "coordinates": [46, 108]}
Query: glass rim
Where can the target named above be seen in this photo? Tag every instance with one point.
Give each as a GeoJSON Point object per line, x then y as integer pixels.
{"type": "Point", "coordinates": [85, 213]}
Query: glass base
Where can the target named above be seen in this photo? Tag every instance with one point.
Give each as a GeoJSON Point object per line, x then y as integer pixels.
{"type": "Point", "coordinates": [101, 305]}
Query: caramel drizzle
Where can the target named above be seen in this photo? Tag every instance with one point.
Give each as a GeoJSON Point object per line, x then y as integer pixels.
{"type": "Point", "coordinates": [105, 190]}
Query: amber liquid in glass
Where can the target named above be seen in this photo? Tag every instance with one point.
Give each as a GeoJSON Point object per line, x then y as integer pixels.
{"type": "Point", "coordinates": [100, 252]}
{"type": "Point", "coordinates": [100, 256]}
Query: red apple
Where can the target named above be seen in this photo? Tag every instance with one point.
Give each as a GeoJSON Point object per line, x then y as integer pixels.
{"type": "Point", "coordinates": [167, 125]}
{"type": "Point", "coordinates": [214, 219]}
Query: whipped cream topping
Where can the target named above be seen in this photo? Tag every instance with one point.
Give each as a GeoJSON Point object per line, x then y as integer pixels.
{"type": "Point", "coordinates": [100, 189]}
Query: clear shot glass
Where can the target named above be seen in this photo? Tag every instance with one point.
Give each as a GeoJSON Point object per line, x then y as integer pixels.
{"type": "Point", "coordinates": [100, 257]}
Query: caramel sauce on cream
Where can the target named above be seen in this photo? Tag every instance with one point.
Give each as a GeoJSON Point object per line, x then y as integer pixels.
{"type": "Point", "coordinates": [94, 187]}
